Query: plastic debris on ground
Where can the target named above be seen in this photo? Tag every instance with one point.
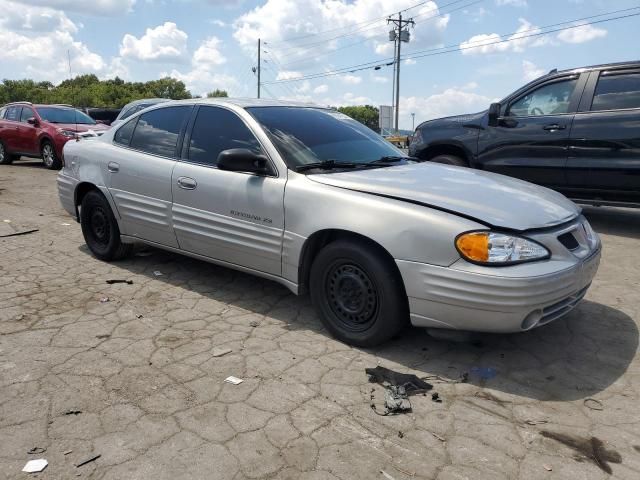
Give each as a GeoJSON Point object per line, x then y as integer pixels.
{"type": "Point", "coordinates": [398, 387]}
{"type": "Point", "coordinates": [35, 466]}
{"type": "Point", "coordinates": [104, 299]}
{"type": "Point", "coordinates": [233, 380]}
{"type": "Point", "coordinates": [36, 451]}
{"type": "Point", "coordinates": [88, 460]}
{"type": "Point", "coordinates": [128, 282]}
{"type": "Point", "coordinates": [157, 273]}
{"type": "Point", "coordinates": [65, 224]}
{"type": "Point", "coordinates": [219, 352]}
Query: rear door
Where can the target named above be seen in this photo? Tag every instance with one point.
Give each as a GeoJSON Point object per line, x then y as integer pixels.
{"type": "Point", "coordinates": [235, 217]}
{"type": "Point", "coordinates": [27, 133]}
{"type": "Point", "coordinates": [9, 128]}
{"type": "Point", "coordinates": [604, 153]}
{"type": "Point", "coordinates": [531, 140]}
{"type": "Point", "coordinates": [139, 166]}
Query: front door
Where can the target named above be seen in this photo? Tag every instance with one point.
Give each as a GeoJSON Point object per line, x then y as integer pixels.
{"type": "Point", "coordinates": [531, 140]}
{"type": "Point", "coordinates": [604, 153]}
{"type": "Point", "coordinates": [230, 216]}
{"type": "Point", "coordinates": [10, 129]}
{"type": "Point", "coordinates": [139, 166]}
{"type": "Point", "coordinates": [27, 133]}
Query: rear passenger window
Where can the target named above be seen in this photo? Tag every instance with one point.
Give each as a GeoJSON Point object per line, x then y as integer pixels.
{"type": "Point", "coordinates": [157, 131]}
{"type": "Point", "coordinates": [13, 113]}
{"type": "Point", "coordinates": [616, 92]}
{"type": "Point", "coordinates": [2, 112]}
{"type": "Point", "coordinates": [124, 133]}
{"type": "Point", "coordinates": [215, 130]}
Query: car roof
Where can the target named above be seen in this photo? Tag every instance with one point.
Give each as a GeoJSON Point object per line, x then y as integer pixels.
{"type": "Point", "coordinates": [246, 102]}
{"type": "Point", "coordinates": [602, 66]}
{"type": "Point", "coordinates": [148, 100]}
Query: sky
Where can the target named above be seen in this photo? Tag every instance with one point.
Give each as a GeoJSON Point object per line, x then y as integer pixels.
{"type": "Point", "coordinates": [212, 44]}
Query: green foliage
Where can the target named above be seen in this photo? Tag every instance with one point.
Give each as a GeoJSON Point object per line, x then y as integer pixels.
{"type": "Point", "coordinates": [217, 93]}
{"type": "Point", "coordinates": [89, 91]}
{"type": "Point", "coordinates": [367, 115]}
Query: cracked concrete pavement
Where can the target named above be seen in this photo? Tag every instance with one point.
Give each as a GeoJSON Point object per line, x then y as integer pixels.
{"type": "Point", "coordinates": [141, 370]}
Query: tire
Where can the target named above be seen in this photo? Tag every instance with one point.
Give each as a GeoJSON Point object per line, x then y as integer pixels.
{"type": "Point", "coordinates": [49, 156]}
{"type": "Point", "coordinates": [100, 228]}
{"type": "Point", "coordinates": [5, 157]}
{"type": "Point", "coordinates": [450, 160]}
{"type": "Point", "coordinates": [358, 293]}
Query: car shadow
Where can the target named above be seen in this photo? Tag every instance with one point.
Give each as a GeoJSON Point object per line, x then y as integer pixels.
{"type": "Point", "coordinates": [622, 222]}
{"type": "Point", "coordinates": [569, 359]}
{"type": "Point", "coordinates": [28, 162]}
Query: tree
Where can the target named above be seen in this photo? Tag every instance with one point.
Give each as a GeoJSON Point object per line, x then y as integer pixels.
{"type": "Point", "coordinates": [367, 115]}
{"type": "Point", "coordinates": [217, 93]}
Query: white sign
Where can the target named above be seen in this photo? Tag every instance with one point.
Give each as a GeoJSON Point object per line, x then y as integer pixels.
{"type": "Point", "coordinates": [385, 119]}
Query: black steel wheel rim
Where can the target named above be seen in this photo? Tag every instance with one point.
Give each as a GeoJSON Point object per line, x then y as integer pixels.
{"type": "Point", "coordinates": [99, 226]}
{"type": "Point", "coordinates": [352, 296]}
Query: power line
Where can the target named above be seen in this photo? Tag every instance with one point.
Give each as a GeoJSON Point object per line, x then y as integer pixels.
{"type": "Point", "coordinates": [377, 64]}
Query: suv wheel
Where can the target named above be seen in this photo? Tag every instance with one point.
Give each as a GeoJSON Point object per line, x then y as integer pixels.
{"type": "Point", "coordinates": [450, 160]}
{"type": "Point", "coordinates": [100, 229]}
{"type": "Point", "coordinates": [358, 293]}
{"type": "Point", "coordinates": [49, 157]}
{"type": "Point", "coordinates": [5, 157]}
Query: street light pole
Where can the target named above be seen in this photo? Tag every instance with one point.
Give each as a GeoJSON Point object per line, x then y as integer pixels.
{"type": "Point", "coordinates": [413, 121]}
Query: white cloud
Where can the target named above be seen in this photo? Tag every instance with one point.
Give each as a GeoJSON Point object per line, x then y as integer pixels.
{"type": "Point", "coordinates": [582, 34]}
{"type": "Point", "coordinates": [219, 23]}
{"type": "Point", "coordinates": [93, 7]}
{"type": "Point", "coordinates": [491, 43]}
{"type": "Point", "coordinates": [350, 79]}
{"type": "Point", "coordinates": [288, 75]}
{"type": "Point", "coordinates": [35, 41]}
{"type": "Point", "coordinates": [283, 20]}
{"type": "Point", "coordinates": [410, 61]}
{"type": "Point", "coordinates": [201, 80]}
{"type": "Point", "coordinates": [513, 3]}
{"type": "Point", "coordinates": [321, 89]}
{"type": "Point", "coordinates": [530, 71]}
{"type": "Point", "coordinates": [452, 101]}
{"type": "Point", "coordinates": [208, 53]}
{"type": "Point", "coordinates": [165, 42]}
{"type": "Point", "coordinates": [379, 79]}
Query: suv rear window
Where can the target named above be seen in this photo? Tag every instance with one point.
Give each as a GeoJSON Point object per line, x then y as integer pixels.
{"type": "Point", "coordinates": [157, 131]}
{"type": "Point", "coordinates": [617, 92]}
{"type": "Point", "coordinates": [13, 113]}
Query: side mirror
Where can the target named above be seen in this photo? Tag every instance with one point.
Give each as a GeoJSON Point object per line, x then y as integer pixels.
{"type": "Point", "coordinates": [33, 121]}
{"type": "Point", "coordinates": [494, 114]}
{"type": "Point", "coordinates": [243, 160]}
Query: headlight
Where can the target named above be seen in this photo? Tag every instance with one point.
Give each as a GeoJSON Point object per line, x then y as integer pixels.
{"type": "Point", "coordinates": [592, 238]}
{"type": "Point", "coordinates": [491, 248]}
{"type": "Point", "coordinates": [67, 133]}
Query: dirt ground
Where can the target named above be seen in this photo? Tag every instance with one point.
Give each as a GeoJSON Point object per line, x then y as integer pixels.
{"type": "Point", "coordinates": [136, 379]}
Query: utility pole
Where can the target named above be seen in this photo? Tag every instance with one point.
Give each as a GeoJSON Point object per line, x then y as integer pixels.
{"type": "Point", "coordinates": [399, 34]}
{"type": "Point", "coordinates": [259, 66]}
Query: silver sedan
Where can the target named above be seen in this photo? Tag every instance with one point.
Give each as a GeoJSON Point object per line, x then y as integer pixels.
{"type": "Point", "coordinates": [307, 197]}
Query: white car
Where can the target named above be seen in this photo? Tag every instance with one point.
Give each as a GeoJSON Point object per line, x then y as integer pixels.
{"type": "Point", "coordinates": [312, 199]}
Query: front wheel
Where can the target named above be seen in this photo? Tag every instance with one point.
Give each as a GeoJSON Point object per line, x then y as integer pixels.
{"type": "Point", "coordinates": [100, 228]}
{"type": "Point", "coordinates": [49, 156]}
{"type": "Point", "coordinates": [5, 157]}
{"type": "Point", "coordinates": [358, 293]}
{"type": "Point", "coordinates": [449, 160]}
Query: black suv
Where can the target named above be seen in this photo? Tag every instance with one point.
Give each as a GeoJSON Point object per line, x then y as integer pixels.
{"type": "Point", "coordinates": [576, 131]}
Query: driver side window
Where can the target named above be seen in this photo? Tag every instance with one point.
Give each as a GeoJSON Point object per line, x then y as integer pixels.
{"type": "Point", "coordinates": [215, 130]}
{"type": "Point", "coordinates": [550, 99]}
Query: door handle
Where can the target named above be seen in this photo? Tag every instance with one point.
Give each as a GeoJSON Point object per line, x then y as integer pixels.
{"type": "Point", "coordinates": [553, 127]}
{"type": "Point", "coordinates": [113, 167]}
{"type": "Point", "coordinates": [187, 183]}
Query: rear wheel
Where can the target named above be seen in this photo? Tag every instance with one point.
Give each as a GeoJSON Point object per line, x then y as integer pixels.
{"type": "Point", "coordinates": [49, 156]}
{"type": "Point", "coordinates": [5, 157]}
{"type": "Point", "coordinates": [450, 160]}
{"type": "Point", "coordinates": [100, 228]}
{"type": "Point", "coordinates": [358, 293]}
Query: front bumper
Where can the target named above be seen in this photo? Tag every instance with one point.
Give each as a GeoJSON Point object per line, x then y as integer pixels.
{"type": "Point", "coordinates": [445, 297]}
{"type": "Point", "coordinates": [66, 192]}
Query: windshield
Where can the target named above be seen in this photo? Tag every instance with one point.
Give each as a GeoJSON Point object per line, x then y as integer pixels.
{"type": "Point", "coordinates": [64, 115]}
{"type": "Point", "coordinates": [305, 135]}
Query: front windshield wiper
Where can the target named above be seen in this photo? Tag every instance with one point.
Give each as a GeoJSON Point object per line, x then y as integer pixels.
{"type": "Point", "coordinates": [327, 165]}
{"type": "Point", "coordinates": [391, 159]}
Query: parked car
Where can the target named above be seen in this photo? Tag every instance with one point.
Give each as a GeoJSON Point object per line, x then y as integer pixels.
{"type": "Point", "coordinates": [102, 115]}
{"type": "Point", "coordinates": [312, 199]}
{"type": "Point", "coordinates": [576, 131]}
{"type": "Point", "coordinates": [41, 131]}
{"type": "Point", "coordinates": [134, 107]}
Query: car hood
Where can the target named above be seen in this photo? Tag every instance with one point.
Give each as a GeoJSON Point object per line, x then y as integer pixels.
{"type": "Point", "coordinates": [467, 119]}
{"type": "Point", "coordinates": [492, 199]}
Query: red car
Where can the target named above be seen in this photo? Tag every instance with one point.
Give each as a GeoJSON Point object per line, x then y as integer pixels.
{"type": "Point", "coordinates": [41, 131]}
